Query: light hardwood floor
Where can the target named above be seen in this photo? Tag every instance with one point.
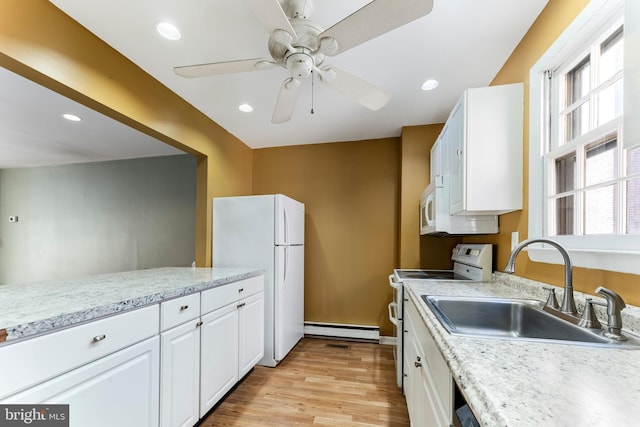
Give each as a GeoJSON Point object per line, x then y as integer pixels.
{"type": "Point", "coordinates": [320, 383]}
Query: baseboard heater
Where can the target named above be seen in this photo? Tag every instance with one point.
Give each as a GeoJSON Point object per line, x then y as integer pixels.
{"type": "Point", "coordinates": [341, 330]}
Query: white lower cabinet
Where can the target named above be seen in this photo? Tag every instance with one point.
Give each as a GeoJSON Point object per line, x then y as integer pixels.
{"type": "Point", "coordinates": [121, 389]}
{"type": "Point", "coordinates": [250, 333]}
{"type": "Point", "coordinates": [232, 343]}
{"type": "Point", "coordinates": [205, 357]}
{"type": "Point", "coordinates": [428, 383]}
{"type": "Point", "coordinates": [219, 354]}
{"type": "Point", "coordinates": [180, 373]}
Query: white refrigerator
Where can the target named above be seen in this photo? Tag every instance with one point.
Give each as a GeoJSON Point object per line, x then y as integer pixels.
{"type": "Point", "coordinates": [266, 232]}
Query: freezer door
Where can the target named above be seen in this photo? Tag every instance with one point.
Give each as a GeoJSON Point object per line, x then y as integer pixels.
{"type": "Point", "coordinates": [289, 298]}
{"type": "Point", "coordinates": [289, 221]}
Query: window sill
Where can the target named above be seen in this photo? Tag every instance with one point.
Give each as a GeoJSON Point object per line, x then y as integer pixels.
{"type": "Point", "coordinates": [619, 261]}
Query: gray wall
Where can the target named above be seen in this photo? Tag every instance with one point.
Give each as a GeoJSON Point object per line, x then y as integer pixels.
{"type": "Point", "coordinates": [96, 218]}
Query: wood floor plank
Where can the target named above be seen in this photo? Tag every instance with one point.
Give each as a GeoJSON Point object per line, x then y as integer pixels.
{"type": "Point", "coordinates": [320, 383]}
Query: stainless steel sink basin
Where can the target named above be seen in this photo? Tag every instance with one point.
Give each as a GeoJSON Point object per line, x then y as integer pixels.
{"type": "Point", "coordinates": [513, 319]}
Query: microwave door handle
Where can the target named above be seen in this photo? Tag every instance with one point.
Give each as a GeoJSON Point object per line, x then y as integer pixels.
{"type": "Point", "coordinates": [430, 210]}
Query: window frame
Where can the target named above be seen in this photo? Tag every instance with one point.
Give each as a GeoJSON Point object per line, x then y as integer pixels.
{"type": "Point", "coordinates": [615, 253]}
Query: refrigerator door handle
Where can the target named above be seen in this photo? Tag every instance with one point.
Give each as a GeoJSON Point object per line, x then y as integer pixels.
{"type": "Point", "coordinates": [286, 226]}
{"type": "Point", "coordinates": [286, 262]}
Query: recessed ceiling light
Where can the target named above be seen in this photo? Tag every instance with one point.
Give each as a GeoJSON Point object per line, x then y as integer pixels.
{"type": "Point", "coordinates": [71, 117]}
{"type": "Point", "coordinates": [168, 30]}
{"type": "Point", "coordinates": [430, 84]}
{"type": "Point", "coordinates": [245, 108]}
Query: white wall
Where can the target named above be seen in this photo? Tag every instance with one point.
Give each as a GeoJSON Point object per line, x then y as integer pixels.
{"type": "Point", "coordinates": [96, 218]}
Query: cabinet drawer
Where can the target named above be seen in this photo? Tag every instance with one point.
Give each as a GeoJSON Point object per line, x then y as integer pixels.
{"type": "Point", "coordinates": [215, 298]}
{"type": "Point", "coordinates": [177, 311]}
{"type": "Point", "coordinates": [32, 361]}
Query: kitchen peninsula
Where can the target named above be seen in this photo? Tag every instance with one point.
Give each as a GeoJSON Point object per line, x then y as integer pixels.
{"type": "Point", "coordinates": [162, 345]}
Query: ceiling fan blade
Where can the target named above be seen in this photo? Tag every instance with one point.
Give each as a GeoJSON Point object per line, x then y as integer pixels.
{"type": "Point", "coordinates": [287, 98]}
{"type": "Point", "coordinates": [374, 19]}
{"type": "Point", "coordinates": [216, 68]}
{"type": "Point", "coordinates": [271, 16]}
{"type": "Point", "coordinates": [361, 91]}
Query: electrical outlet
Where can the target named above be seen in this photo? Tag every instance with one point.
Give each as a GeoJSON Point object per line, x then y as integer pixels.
{"type": "Point", "coordinates": [13, 218]}
{"type": "Point", "coordinates": [515, 239]}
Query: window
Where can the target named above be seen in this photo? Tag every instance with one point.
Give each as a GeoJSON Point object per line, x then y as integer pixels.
{"type": "Point", "coordinates": [584, 184]}
{"type": "Point", "coordinates": [585, 116]}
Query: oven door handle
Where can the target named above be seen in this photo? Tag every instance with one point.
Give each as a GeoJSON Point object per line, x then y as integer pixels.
{"type": "Point", "coordinates": [392, 282]}
{"type": "Point", "coordinates": [393, 312]}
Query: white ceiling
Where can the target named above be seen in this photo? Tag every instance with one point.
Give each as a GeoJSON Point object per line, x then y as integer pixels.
{"type": "Point", "coordinates": [462, 43]}
{"type": "Point", "coordinates": [33, 132]}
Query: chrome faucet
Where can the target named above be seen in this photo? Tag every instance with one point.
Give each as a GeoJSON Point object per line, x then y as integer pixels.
{"type": "Point", "coordinates": [568, 303]}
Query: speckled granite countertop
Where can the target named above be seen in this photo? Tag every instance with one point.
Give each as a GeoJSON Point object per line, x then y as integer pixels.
{"type": "Point", "coordinates": [34, 308]}
{"type": "Point", "coordinates": [515, 383]}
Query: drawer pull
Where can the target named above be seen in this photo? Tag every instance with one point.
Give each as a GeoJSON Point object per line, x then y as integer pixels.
{"type": "Point", "coordinates": [240, 305]}
{"type": "Point", "coordinates": [99, 338]}
{"type": "Point", "coordinates": [184, 307]}
{"type": "Point", "coordinates": [417, 363]}
{"type": "Point", "coordinates": [240, 290]}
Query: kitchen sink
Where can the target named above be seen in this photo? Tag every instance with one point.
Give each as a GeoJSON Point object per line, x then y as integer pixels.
{"type": "Point", "coordinates": [521, 319]}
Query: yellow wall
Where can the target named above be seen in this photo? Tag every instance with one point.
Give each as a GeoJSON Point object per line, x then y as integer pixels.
{"type": "Point", "coordinates": [554, 19]}
{"type": "Point", "coordinates": [40, 42]}
{"type": "Point", "coordinates": [350, 192]}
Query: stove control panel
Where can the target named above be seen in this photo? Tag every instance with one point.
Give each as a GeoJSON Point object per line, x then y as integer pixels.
{"type": "Point", "coordinates": [477, 255]}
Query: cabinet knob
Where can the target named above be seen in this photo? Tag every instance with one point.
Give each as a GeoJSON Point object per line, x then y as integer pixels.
{"type": "Point", "coordinates": [240, 290]}
{"type": "Point", "coordinates": [99, 338]}
{"type": "Point", "coordinates": [459, 152]}
{"type": "Point", "coordinates": [240, 305]}
{"type": "Point", "coordinates": [184, 307]}
{"type": "Point", "coordinates": [418, 364]}
{"type": "Point", "coordinates": [200, 323]}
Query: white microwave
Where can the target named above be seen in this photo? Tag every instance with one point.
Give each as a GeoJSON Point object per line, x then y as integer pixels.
{"type": "Point", "coordinates": [436, 219]}
{"type": "Point", "coordinates": [427, 210]}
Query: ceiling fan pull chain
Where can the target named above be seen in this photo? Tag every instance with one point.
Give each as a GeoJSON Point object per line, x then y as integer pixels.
{"type": "Point", "coordinates": [313, 78]}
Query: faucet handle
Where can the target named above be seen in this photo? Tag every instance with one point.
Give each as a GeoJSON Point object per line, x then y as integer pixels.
{"type": "Point", "coordinates": [552, 301]}
{"type": "Point", "coordinates": [589, 319]}
{"type": "Point", "coordinates": [615, 304]}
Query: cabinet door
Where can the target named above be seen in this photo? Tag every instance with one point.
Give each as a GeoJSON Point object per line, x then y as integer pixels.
{"type": "Point", "coordinates": [180, 375]}
{"type": "Point", "coordinates": [121, 389]}
{"type": "Point", "coordinates": [251, 332]}
{"type": "Point", "coordinates": [218, 355]}
{"type": "Point", "coordinates": [457, 157]}
{"type": "Point", "coordinates": [429, 393]}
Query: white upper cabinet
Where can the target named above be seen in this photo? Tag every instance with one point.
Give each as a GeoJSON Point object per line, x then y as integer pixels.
{"type": "Point", "coordinates": [483, 139]}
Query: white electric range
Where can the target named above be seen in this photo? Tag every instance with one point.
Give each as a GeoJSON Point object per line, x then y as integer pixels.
{"type": "Point", "coordinates": [470, 262]}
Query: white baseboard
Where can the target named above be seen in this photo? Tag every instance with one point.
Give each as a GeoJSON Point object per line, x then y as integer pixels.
{"type": "Point", "coordinates": [340, 330]}
{"type": "Point", "coordinates": [387, 340]}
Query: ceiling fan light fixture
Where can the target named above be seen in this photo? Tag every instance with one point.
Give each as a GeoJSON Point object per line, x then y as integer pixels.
{"type": "Point", "coordinates": [245, 108]}
{"type": "Point", "coordinates": [72, 117]}
{"type": "Point", "coordinates": [430, 84]}
{"type": "Point", "coordinates": [300, 65]}
{"type": "Point", "coordinates": [168, 30]}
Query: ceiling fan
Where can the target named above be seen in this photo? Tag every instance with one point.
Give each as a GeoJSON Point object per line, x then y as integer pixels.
{"type": "Point", "coordinates": [300, 46]}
